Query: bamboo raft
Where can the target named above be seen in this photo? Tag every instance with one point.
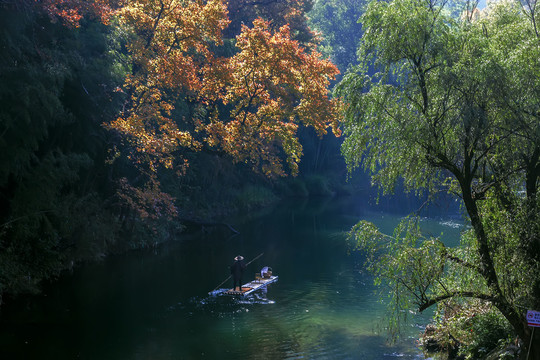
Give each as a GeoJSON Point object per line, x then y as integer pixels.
{"type": "Point", "coordinates": [248, 288]}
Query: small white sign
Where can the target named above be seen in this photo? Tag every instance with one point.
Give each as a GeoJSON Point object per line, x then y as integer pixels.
{"type": "Point", "coordinates": [533, 318]}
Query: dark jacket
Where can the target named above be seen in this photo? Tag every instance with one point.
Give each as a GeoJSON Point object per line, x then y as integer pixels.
{"type": "Point", "coordinates": [237, 268]}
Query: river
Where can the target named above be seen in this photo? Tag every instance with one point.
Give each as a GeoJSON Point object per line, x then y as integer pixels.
{"type": "Point", "coordinates": [154, 304]}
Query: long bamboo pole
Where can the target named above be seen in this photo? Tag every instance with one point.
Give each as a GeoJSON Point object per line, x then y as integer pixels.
{"type": "Point", "coordinates": [530, 344]}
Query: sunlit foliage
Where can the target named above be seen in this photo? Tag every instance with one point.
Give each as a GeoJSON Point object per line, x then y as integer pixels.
{"type": "Point", "coordinates": [273, 85]}
{"type": "Point", "coordinates": [169, 48]}
{"type": "Point", "coordinates": [453, 107]}
{"type": "Point", "coordinates": [255, 98]}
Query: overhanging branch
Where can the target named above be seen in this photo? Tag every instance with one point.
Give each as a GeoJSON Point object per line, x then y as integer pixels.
{"type": "Point", "coordinates": [469, 294]}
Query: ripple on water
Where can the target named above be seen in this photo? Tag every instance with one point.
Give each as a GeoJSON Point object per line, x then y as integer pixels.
{"type": "Point", "coordinates": [452, 224]}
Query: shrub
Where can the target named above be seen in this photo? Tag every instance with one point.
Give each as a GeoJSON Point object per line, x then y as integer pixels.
{"type": "Point", "coordinates": [468, 330]}
{"type": "Point", "coordinates": [318, 185]}
{"type": "Point", "coordinates": [252, 196]}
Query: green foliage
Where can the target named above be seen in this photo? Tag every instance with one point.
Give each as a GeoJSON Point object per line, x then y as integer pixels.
{"type": "Point", "coordinates": [450, 110]}
{"type": "Point", "coordinates": [280, 12]}
{"type": "Point", "coordinates": [254, 197]}
{"type": "Point", "coordinates": [407, 266]}
{"type": "Point", "coordinates": [318, 185]}
{"type": "Point", "coordinates": [53, 97]}
{"type": "Point", "coordinates": [32, 78]}
{"type": "Point", "coordinates": [490, 330]}
{"type": "Point", "coordinates": [338, 22]}
{"type": "Point", "coordinates": [393, 148]}
{"type": "Point", "coordinates": [471, 329]}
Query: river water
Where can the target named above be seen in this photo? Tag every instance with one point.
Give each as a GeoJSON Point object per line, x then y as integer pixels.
{"type": "Point", "coordinates": [154, 304]}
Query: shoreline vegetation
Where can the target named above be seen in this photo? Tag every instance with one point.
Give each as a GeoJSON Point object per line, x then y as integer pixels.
{"type": "Point", "coordinates": [206, 218]}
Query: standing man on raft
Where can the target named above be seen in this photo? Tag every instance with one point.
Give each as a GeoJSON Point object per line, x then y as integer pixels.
{"type": "Point", "coordinates": [237, 270]}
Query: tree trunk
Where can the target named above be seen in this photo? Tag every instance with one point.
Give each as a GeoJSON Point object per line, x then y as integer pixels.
{"type": "Point", "coordinates": [532, 172]}
{"type": "Point", "coordinates": [533, 244]}
{"type": "Point", "coordinates": [487, 267]}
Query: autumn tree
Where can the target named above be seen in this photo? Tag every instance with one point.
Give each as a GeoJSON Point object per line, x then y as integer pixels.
{"type": "Point", "coordinates": [70, 12]}
{"type": "Point", "coordinates": [251, 102]}
{"type": "Point", "coordinates": [273, 85]}
{"type": "Point", "coordinates": [449, 110]}
{"type": "Point", "coordinates": [183, 95]}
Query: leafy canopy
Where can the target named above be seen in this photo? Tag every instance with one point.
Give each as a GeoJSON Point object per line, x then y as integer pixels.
{"type": "Point", "coordinates": [252, 102]}
{"type": "Point", "coordinates": [453, 107]}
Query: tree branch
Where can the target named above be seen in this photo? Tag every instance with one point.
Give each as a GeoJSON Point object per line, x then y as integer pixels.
{"type": "Point", "coordinates": [469, 294]}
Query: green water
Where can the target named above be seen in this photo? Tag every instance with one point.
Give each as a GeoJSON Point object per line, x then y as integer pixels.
{"type": "Point", "coordinates": [155, 304]}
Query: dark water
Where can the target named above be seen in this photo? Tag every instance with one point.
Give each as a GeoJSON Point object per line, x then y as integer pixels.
{"type": "Point", "coordinates": [154, 304]}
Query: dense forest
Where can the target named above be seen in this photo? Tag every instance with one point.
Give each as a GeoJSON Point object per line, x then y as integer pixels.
{"type": "Point", "coordinates": [123, 124]}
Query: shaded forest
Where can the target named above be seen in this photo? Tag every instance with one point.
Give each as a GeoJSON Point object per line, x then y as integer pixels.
{"type": "Point", "coordinates": [108, 144]}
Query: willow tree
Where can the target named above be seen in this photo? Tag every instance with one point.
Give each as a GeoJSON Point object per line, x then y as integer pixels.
{"type": "Point", "coordinates": [453, 107]}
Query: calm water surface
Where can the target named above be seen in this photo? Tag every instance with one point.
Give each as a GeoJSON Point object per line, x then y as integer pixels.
{"type": "Point", "coordinates": [155, 304]}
